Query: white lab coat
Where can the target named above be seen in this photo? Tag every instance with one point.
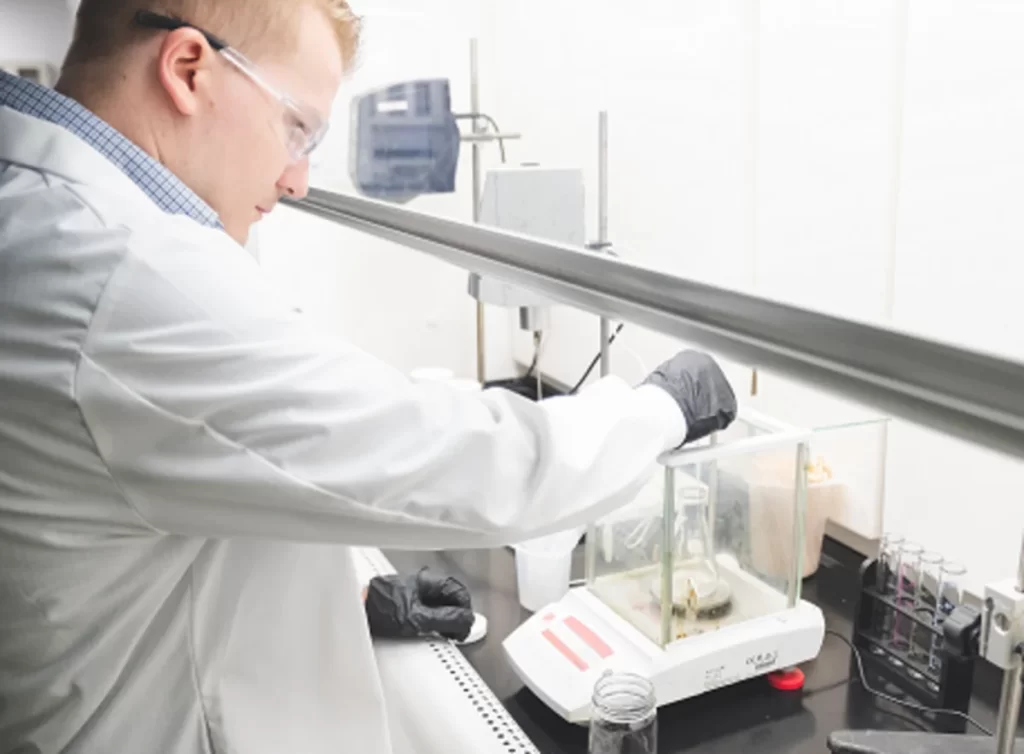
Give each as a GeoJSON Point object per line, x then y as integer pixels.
{"type": "Point", "coordinates": [185, 461]}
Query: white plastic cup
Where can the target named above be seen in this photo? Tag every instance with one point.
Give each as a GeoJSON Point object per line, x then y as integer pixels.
{"type": "Point", "coordinates": [466, 385]}
{"type": "Point", "coordinates": [542, 572]}
{"type": "Point", "coordinates": [432, 374]}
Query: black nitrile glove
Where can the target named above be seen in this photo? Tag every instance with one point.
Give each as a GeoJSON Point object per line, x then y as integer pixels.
{"type": "Point", "coordinates": [406, 607]}
{"type": "Point", "coordinates": [701, 389]}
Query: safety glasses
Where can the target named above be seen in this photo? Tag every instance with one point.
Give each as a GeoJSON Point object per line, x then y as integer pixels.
{"type": "Point", "coordinates": [304, 128]}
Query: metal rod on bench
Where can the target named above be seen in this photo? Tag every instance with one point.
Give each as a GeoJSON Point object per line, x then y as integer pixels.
{"type": "Point", "coordinates": [1009, 701]}
{"type": "Point", "coordinates": [474, 103]}
{"type": "Point", "coordinates": [602, 227]}
{"type": "Point", "coordinates": [969, 394]}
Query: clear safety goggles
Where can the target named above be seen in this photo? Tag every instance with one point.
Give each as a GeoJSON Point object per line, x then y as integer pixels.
{"type": "Point", "coordinates": [304, 127]}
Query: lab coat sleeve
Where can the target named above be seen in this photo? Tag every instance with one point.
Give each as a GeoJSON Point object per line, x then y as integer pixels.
{"type": "Point", "coordinates": [220, 412]}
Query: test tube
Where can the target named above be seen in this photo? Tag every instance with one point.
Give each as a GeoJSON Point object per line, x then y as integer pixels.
{"type": "Point", "coordinates": [906, 589]}
{"type": "Point", "coordinates": [948, 595]}
{"type": "Point", "coordinates": [888, 567]}
{"type": "Point", "coordinates": [949, 591]}
{"type": "Point", "coordinates": [924, 598]}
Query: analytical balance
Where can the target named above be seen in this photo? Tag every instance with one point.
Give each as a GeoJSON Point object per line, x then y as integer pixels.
{"type": "Point", "coordinates": [696, 590]}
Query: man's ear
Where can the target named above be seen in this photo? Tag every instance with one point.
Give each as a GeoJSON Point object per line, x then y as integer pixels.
{"type": "Point", "coordinates": [183, 67]}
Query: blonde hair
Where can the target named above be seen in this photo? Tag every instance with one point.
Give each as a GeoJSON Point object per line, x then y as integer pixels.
{"type": "Point", "coordinates": [104, 28]}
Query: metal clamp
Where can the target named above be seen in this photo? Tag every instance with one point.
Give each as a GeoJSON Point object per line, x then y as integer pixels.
{"type": "Point", "coordinates": [1002, 645]}
{"type": "Point", "coordinates": [1003, 623]}
{"type": "Point", "coordinates": [601, 247]}
{"type": "Point", "coordinates": [488, 137]}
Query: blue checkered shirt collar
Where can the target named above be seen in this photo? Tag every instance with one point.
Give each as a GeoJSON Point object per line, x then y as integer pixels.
{"type": "Point", "coordinates": [157, 182]}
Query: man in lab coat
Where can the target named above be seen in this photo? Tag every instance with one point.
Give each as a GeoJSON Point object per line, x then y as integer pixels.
{"type": "Point", "coordinates": [184, 460]}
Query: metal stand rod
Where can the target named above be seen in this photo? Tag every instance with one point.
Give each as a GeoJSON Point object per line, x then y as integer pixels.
{"type": "Point", "coordinates": [474, 103]}
{"type": "Point", "coordinates": [1010, 699]}
{"type": "Point", "coordinates": [538, 341]}
{"type": "Point", "coordinates": [605, 331]}
{"type": "Point", "coordinates": [602, 225]}
{"type": "Point", "coordinates": [1020, 568]}
{"type": "Point", "coordinates": [1009, 708]}
{"type": "Point", "coordinates": [606, 355]}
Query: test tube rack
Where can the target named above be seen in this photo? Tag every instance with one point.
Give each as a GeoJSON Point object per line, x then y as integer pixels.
{"type": "Point", "coordinates": [945, 684]}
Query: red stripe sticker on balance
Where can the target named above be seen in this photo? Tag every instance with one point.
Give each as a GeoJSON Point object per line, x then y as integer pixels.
{"type": "Point", "coordinates": [562, 647]}
{"type": "Point", "coordinates": [591, 639]}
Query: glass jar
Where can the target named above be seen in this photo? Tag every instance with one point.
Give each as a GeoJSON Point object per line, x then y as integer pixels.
{"type": "Point", "coordinates": [624, 716]}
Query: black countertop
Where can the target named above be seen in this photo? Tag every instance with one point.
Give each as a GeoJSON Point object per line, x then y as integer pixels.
{"type": "Point", "coordinates": [750, 716]}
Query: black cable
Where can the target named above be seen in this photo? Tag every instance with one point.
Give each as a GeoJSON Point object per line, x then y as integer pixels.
{"type": "Point", "coordinates": [828, 686]}
{"type": "Point", "coordinates": [894, 700]}
{"type": "Point", "coordinates": [533, 365]}
{"type": "Point", "coordinates": [919, 724]}
{"type": "Point", "coordinates": [596, 360]}
{"type": "Point", "coordinates": [493, 123]}
{"type": "Point", "coordinates": [536, 358]}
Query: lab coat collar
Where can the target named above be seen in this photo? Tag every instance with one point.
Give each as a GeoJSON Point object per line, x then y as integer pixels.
{"type": "Point", "coordinates": [40, 145]}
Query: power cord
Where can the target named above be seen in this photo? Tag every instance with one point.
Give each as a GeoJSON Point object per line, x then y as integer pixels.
{"type": "Point", "coordinates": [538, 351]}
{"type": "Point", "coordinates": [492, 122]}
{"type": "Point", "coordinates": [597, 358]}
{"type": "Point", "coordinates": [894, 700]}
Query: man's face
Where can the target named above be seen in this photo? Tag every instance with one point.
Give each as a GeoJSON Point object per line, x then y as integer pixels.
{"type": "Point", "coordinates": [246, 163]}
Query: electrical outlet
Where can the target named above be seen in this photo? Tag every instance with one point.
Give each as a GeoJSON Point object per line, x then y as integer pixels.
{"type": "Point", "coordinates": [36, 71]}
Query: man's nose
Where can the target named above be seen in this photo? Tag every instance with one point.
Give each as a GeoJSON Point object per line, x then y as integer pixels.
{"type": "Point", "coordinates": [294, 181]}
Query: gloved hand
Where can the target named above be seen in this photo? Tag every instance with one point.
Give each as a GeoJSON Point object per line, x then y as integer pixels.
{"type": "Point", "coordinates": [406, 607]}
{"type": "Point", "coordinates": [701, 389]}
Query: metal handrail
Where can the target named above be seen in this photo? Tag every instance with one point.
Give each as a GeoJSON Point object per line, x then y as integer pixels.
{"type": "Point", "coordinates": [976, 396]}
